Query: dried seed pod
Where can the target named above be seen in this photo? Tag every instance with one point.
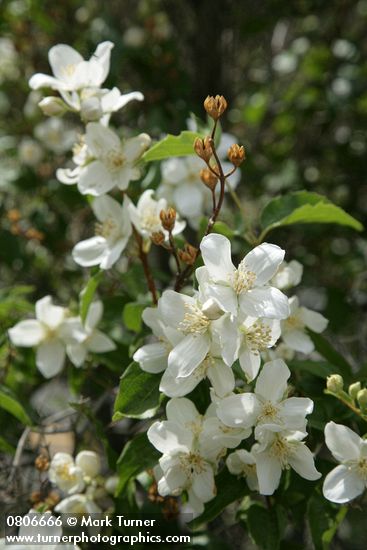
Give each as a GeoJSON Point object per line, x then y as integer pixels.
{"type": "Point", "coordinates": [157, 238]}
{"type": "Point", "coordinates": [215, 106]}
{"type": "Point", "coordinates": [208, 178]}
{"type": "Point", "coordinates": [188, 254]}
{"type": "Point", "coordinates": [203, 148]}
{"type": "Point", "coordinates": [236, 154]}
{"type": "Point", "coordinates": [42, 463]}
{"type": "Point", "coordinates": [168, 218]}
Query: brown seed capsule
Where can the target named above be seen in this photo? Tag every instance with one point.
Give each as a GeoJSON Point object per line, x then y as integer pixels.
{"type": "Point", "coordinates": [203, 148]}
{"type": "Point", "coordinates": [42, 463]}
{"type": "Point", "coordinates": [157, 238]}
{"type": "Point", "coordinates": [236, 154]}
{"type": "Point", "coordinates": [215, 106]}
{"type": "Point", "coordinates": [52, 499]}
{"type": "Point", "coordinates": [35, 496]}
{"type": "Point", "coordinates": [168, 218]}
{"type": "Point", "coordinates": [208, 178]}
{"type": "Point", "coordinates": [188, 254]}
{"type": "Point", "coordinates": [13, 215]}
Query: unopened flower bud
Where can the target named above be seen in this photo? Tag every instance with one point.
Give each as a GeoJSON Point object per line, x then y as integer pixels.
{"type": "Point", "coordinates": [208, 178]}
{"type": "Point", "coordinates": [335, 383]}
{"type": "Point", "coordinates": [354, 389]}
{"type": "Point", "coordinates": [203, 148]}
{"type": "Point", "coordinates": [52, 106]}
{"type": "Point", "coordinates": [215, 106]}
{"type": "Point", "coordinates": [236, 154]}
{"type": "Point", "coordinates": [157, 238]}
{"type": "Point", "coordinates": [188, 255]}
{"type": "Point", "coordinates": [168, 218]}
{"type": "Point", "coordinates": [42, 463]}
{"type": "Point", "coordinates": [362, 398]}
{"type": "Point", "coordinates": [91, 109]}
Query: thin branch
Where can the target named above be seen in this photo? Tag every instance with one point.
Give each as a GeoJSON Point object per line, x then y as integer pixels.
{"type": "Point", "coordinates": [144, 260]}
{"type": "Point", "coordinates": [174, 252]}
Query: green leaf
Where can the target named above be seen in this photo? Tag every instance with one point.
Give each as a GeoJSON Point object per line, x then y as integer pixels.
{"type": "Point", "coordinates": [131, 316]}
{"type": "Point", "coordinates": [304, 207]}
{"type": "Point", "coordinates": [322, 369]}
{"type": "Point", "coordinates": [229, 489]}
{"type": "Point", "coordinates": [86, 295]}
{"type": "Point", "coordinates": [265, 525]}
{"type": "Point", "coordinates": [138, 455]}
{"type": "Point", "coordinates": [323, 346]}
{"type": "Point", "coordinates": [324, 520]}
{"type": "Point", "coordinates": [10, 403]}
{"type": "Point", "coordinates": [172, 146]}
{"type": "Point", "coordinates": [5, 447]}
{"type": "Point", "coordinates": [138, 395]}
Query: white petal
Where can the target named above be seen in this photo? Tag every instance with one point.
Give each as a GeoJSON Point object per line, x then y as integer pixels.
{"type": "Point", "coordinates": [68, 176]}
{"type": "Point", "coordinates": [182, 411]}
{"type": "Point", "coordinates": [61, 57]}
{"type": "Point", "coordinates": [169, 437]}
{"type": "Point", "coordinates": [302, 462]}
{"type": "Point", "coordinates": [101, 140]}
{"type": "Point", "coordinates": [342, 485]}
{"type": "Point", "coordinates": [224, 296]}
{"type": "Point", "coordinates": [298, 340]}
{"type": "Point", "coordinates": [40, 80]}
{"type": "Point", "coordinates": [94, 315]}
{"type": "Point", "coordinates": [52, 316]}
{"type": "Point", "coordinates": [50, 357]}
{"type": "Point", "coordinates": [189, 199]}
{"type": "Point", "coordinates": [269, 472]}
{"type": "Point", "coordinates": [113, 253]}
{"type": "Point", "coordinates": [239, 410]}
{"type": "Point", "coordinates": [294, 411]}
{"type": "Point", "coordinates": [100, 63]}
{"type": "Point", "coordinates": [272, 382]}
{"type": "Point", "coordinates": [89, 462]}
{"type": "Point", "coordinates": [173, 481]}
{"type": "Point", "coordinates": [343, 442]}
{"type": "Point", "coordinates": [313, 320]}
{"type": "Point", "coordinates": [250, 363]}
{"type": "Point", "coordinates": [173, 386]}
{"type": "Point", "coordinates": [134, 147]}
{"type": "Point", "coordinates": [264, 302]}
{"type": "Point", "coordinates": [221, 377]}
{"type": "Point", "coordinates": [99, 342]}
{"type": "Point", "coordinates": [106, 207]}
{"type": "Point", "coordinates": [189, 353]}
{"type": "Point", "coordinates": [216, 252]}
{"type": "Point", "coordinates": [90, 252]}
{"type": "Point", "coordinates": [264, 261]}
{"type": "Point", "coordinates": [194, 507]}
{"type": "Point", "coordinates": [95, 179]}
{"type": "Point", "coordinates": [171, 307]}
{"type": "Point", "coordinates": [203, 485]}
{"type": "Point", "coordinates": [76, 353]}
{"type": "Point", "coordinates": [27, 333]}
{"type": "Point", "coordinates": [229, 340]}
{"type": "Point", "coordinates": [114, 100]}
{"type": "Point", "coordinates": [152, 357]}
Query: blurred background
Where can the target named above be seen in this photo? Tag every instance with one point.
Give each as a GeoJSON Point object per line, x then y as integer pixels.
{"type": "Point", "coordinates": [295, 76]}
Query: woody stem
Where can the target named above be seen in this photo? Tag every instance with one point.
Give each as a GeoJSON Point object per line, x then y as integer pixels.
{"type": "Point", "coordinates": [144, 260]}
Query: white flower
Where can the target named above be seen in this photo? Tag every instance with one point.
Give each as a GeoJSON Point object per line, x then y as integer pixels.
{"type": "Point", "coordinates": [71, 477]}
{"type": "Point", "coordinates": [267, 408]}
{"type": "Point", "coordinates": [111, 163]}
{"type": "Point", "coordinates": [30, 152]}
{"type": "Point", "coordinates": [247, 286]}
{"type": "Point", "coordinates": [112, 234]}
{"type": "Point", "coordinates": [193, 317]}
{"type": "Point", "coordinates": [77, 504]}
{"type": "Point", "coordinates": [55, 135]}
{"type": "Point", "coordinates": [46, 332]}
{"type": "Point", "coordinates": [243, 463]}
{"type": "Point", "coordinates": [348, 480]}
{"type": "Point", "coordinates": [288, 275]}
{"type": "Point", "coordinates": [191, 446]}
{"type": "Point", "coordinates": [246, 339]}
{"type": "Point", "coordinates": [87, 338]}
{"type": "Point", "coordinates": [95, 104]}
{"type": "Point", "coordinates": [294, 327]}
{"type": "Point", "coordinates": [279, 451]}
{"type": "Point", "coordinates": [71, 71]}
{"type": "Point", "coordinates": [145, 216]}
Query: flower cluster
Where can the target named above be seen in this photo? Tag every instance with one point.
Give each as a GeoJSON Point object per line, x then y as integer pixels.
{"type": "Point", "coordinates": [235, 314]}
{"type": "Point", "coordinates": [55, 334]}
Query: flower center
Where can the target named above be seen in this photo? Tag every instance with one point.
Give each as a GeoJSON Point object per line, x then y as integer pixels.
{"type": "Point", "coordinates": [258, 337]}
{"type": "Point", "coordinates": [242, 279]}
{"type": "Point", "coordinates": [194, 321]}
{"type": "Point", "coordinates": [248, 470]}
{"type": "Point", "coordinates": [68, 70]}
{"type": "Point", "coordinates": [269, 412]}
{"type": "Point", "coordinates": [293, 322]}
{"type": "Point", "coordinates": [106, 229]}
{"type": "Point", "coordinates": [63, 472]}
{"type": "Point", "coordinates": [192, 464]}
{"type": "Point", "coordinates": [362, 468]}
{"type": "Point", "coordinates": [202, 369]}
{"type": "Point", "coordinates": [150, 220]}
{"type": "Point", "coordinates": [281, 450]}
{"type": "Point", "coordinates": [195, 426]}
{"type": "Point", "coordinates": [114, 160]}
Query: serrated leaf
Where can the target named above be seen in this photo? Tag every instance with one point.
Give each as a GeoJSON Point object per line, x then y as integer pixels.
{"type": "Point", "coordinates": [138, 455]}
{"type": "Point", "coordinates": [131, 316]}
{"type": "Point", "coordinates": [304, 207]}
{"type": "Point", "coordinates": [229, 489]}
{"type": "Point", "coordinates": [138, 395]}
{"type": "Point", "coordinates": [10, 403]}
{"type": "Point", "coordinates": [172, 146]}
{"type": "Point", "coordinates": [87, 294]}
